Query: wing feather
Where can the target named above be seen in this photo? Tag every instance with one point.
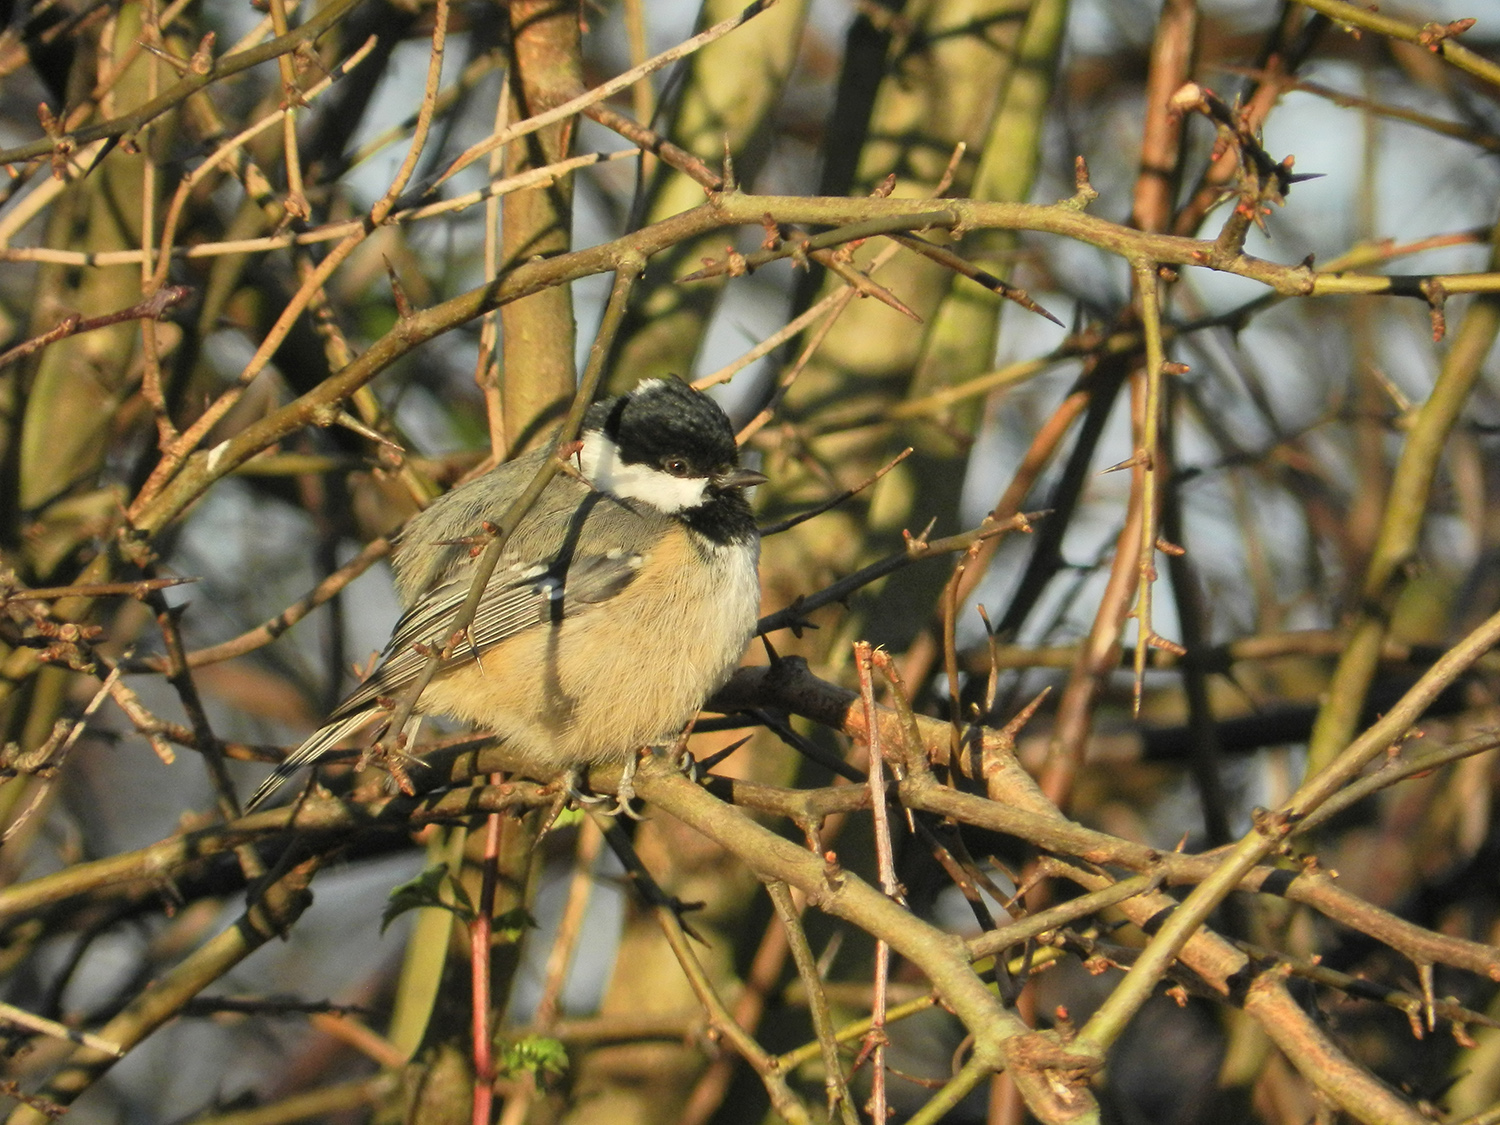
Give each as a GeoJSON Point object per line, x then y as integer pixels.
{"type": "Point", "coordinates": [516, 599]}
{"type": "Point", "coordinates": [322, 740]}
{"type": "Point", "coordinates": [589, 559]}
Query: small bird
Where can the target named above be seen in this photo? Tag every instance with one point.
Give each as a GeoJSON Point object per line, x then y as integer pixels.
{"type": "Point", "coordinates": [623, 599]}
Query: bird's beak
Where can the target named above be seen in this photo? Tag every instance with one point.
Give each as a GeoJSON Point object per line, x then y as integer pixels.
{"type": "Point", "coordinates": [740, 478]}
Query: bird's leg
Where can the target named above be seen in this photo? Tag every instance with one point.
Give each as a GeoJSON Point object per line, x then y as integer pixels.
{"type": "Point", "coordinates": [676, 753]}
{"type": "Point", "coordinates": [573, 786]}
{"type": "Point", "coordinates": [625, 791]}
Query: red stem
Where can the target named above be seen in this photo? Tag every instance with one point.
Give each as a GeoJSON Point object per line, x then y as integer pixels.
{"type": "Point", "coordinates": [479, 974]}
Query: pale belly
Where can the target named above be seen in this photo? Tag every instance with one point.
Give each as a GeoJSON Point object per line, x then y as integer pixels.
{"type": "Point", "coordinates": [606, 681]}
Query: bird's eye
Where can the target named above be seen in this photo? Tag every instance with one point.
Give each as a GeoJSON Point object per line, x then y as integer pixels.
{"type": "Point", "coordinates": [676, 466]}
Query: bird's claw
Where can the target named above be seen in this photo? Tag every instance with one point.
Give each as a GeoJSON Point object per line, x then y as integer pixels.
{"type": "Point", "coordinates": [625, 791]}
{"type": "Point", "coordinates": [625, 795]}
{"type": "Point", "coordinates": [617, 804]}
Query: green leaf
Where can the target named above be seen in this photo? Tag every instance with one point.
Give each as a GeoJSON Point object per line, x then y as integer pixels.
{"type": "Point", "coordinates": [427, 890]}
{"type": "Point", "coordinates": [537, 1055]}
{"type": "Point", "coordinates": [512, 924]}
{"type": "Point", "coordinates": [570, 816]}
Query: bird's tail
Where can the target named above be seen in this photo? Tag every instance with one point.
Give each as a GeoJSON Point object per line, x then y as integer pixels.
{"type": "Point", "coordinates": [318, 743]}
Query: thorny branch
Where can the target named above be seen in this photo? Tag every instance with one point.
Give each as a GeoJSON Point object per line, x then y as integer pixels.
{"type": "Point", "coordinates": [86, 542]}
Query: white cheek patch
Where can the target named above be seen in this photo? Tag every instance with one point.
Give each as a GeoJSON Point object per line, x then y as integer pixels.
{"type": "Point", "coordinates": [599, 461]}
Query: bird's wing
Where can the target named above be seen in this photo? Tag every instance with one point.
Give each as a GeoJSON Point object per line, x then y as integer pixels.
{"type": "Point", "coordinates": [576, 549]}
{"type": "Point", "coordinates": [518, 597]}
{"type": "Point", "coordinates": [322, 740]}
{"type": "Point", "coordinates": [431, 547]}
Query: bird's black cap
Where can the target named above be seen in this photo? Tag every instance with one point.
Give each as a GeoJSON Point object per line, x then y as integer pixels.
{"type": "Point", "coordinates": [663, 419]}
